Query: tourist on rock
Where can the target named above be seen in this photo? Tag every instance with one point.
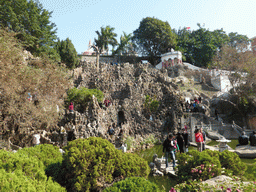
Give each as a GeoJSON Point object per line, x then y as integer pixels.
{"type": "Point", "coordinates": [199, 139]}
{"type": "Point", "coordinates": [111, 131]}
{"type": "Point", "coordinates": [169, 147]}
{"type": "Point", "coordinates": [29, 97]}
{"type": "Point", "coordinates": [71, 108]}
{"type": "Point", "coordinates": [185, 137]}
{"type": "Point", "coordinates": [243, 139]}
{"type": "Point", "coordinates": [180, 141]}
{"type": "Point", "coordinates": [107, 102]}
{"type": "Point", "coordinates": [253, 139]}
{"type": "Point", "coordinates": [187, 105]}
{"type": "Point", "coordinates": [200, 99]}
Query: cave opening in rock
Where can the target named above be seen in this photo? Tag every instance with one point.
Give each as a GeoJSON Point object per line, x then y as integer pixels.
{"type": "Point", "coordinates": [120, 118]}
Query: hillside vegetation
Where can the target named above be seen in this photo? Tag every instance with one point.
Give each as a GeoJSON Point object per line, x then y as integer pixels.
{"type": "Point", "coordinates": [31, 89]}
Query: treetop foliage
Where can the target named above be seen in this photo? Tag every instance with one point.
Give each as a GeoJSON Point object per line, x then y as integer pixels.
{"type": "Point", "coordinates": [67, 53]}
{"type": "Point", "coordinates": [30, 21]}
{"type": "Point", "coordinates": [154, 37]}
{"type": "Point", "coordinates": [200, 46]}
{"type": "Point", "coordinates": [106, 37]}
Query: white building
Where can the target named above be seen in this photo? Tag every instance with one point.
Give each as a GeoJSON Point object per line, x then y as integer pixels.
{"type": "Point", "coordinates": [170, 59]}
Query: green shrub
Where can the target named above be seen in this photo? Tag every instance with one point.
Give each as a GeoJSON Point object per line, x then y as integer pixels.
{"type": "Point", "coordinates": [82, 96]}
{"type": "Point", "coordinates": [25, 173]}
{"type": "Point", "coordinates": [46, 153]}
{"type": "Point", "coordinates": [232, 163]}
{"type": "Point", "coordinates": [90, 163]}
{"type": "Point", "coordinates": [198, 165]}
{"type": "Point", "coordinates": [16, 181]}
{"type": "Point", "coordinates": [129, 164]}
{"type": "Point", "coordinates": [151, 105]}
{"type": "Point", "coordinates": [138, 184]}
{"type": "Point", "coordinates": [30, 166]}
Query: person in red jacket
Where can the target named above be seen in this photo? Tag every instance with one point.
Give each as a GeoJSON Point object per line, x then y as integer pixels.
{"type": "Point", "coordinates": [199, 139]}
{"type": "Point", "coordinates": [71, 107]}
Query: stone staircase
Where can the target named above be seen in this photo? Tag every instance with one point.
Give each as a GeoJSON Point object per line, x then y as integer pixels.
{"type": "Point", "coordinates": [210, 124]}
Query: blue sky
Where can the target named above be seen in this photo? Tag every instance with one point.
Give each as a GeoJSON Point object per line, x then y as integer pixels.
{"type": "Point", "coordinates": [79, 19]}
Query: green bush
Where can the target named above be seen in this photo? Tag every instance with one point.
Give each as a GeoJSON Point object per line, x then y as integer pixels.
{"type": "Point", "coordinates": [129, 164]}
{"type": "Point", "coordinates": [198, 165]}
{"type": "Point", "coordinates": [82, 96]}
{"type": "Point", "coordinates": [232, 163]}
{"type": "Point", "coordinates": [90, 163]}
{"type": "Point", "coordinates": [16, 181]}
{"type": "Point", "coordinates": [133, 184]}
{"type": "Point", "coordinates": [151, 105]}
{"type": "Point", "coordinates": [46, 153]}
{"type": "Point", "coordinates": [30, 166]}
{"type": "Point", "coordinates": [24, 172]}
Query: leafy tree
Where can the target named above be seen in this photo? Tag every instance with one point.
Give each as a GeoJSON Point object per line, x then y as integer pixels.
{"type": "Point", "coordinates": [45, 81]}
{"type": "Point", "coordinates": [67, 53]}
{"type": "Point", "coordinates": [31, 23]}
{"type": "Point", "coordinates": [154, 37]}
{"type": "Point", "coordinates": [235, 40]}
{"type": "Point", "coordinates": [200, 46]}
{"type": "Point", "coordinates": [184, 42]}
{"type": "Point", "coordinates": [203, 47]}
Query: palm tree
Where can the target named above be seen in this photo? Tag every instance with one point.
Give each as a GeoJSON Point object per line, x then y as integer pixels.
{"type": "Point", "coordinates": [125, 44]}
{"type": "Point", "coordinates": [106, 37]}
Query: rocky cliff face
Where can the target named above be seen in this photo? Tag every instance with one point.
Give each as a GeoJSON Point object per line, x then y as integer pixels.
{"type": "Point", "coordinates": [126, 86]}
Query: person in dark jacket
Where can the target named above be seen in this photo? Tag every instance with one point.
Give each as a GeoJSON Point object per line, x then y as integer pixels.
{"type": "Point", "coordinates": [253, 139]}
{"type": "Point", "coordinates": [170, 148]}
{"type": "Point", "coordinates": [180, 141]}
{"type": "Point", "coordinates": [243, 139]}
{"type": "Point", "coordinates": [185, 137]}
